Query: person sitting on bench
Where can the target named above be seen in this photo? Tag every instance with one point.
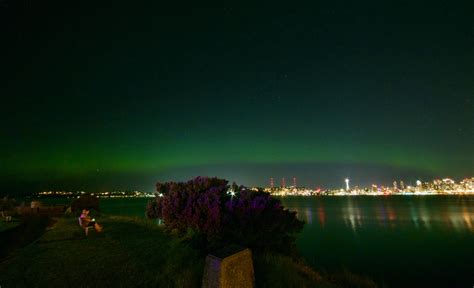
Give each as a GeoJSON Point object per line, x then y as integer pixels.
{"type": "Point", "coordinates": [86, 221]}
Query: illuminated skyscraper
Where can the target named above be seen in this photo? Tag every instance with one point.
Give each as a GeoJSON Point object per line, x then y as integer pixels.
{"type": "Point", "coordinates": [402, 185]}
{"type": "Point", "coordinates": [418, 185]}
{"type": "Point", "coordinates": [347, 184]}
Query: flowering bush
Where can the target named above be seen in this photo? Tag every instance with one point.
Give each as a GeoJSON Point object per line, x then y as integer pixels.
{"type": "Point", "coordinates": [210, 209]}
{"type": "Point", "coordinates": [257, 220]}
{"type": "Point", "coordinates": [7, 204]}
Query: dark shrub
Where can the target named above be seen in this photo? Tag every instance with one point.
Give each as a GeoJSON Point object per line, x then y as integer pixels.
{"type": "Point", "coordinates": [152, 210]}
{"type": "Point", "coordinates": [7, 204]}
{"type": "Point", "coordinates": [206, 210]}
{"type": "Point", "coordinates": [257, 220]}
{"type": "Point", "coordinates": [85, 201]}
{"type": "Point", "coordinates": [195, 205]}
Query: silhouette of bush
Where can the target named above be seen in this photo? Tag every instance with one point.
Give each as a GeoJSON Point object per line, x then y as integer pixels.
{"type": "Point", "coordinates": [7, 204]}
{"type": "Point", "coordinates": [255, 219]}
{"type": "Point", "coordinates": [208, 213]}
{"type": "Point", "coordinates": [85, 201]}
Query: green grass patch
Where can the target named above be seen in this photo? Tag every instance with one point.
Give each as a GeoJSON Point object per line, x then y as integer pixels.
{"type": "Point", "coordinates": [281, 271]}
{"type": "Point", "coordinates": [8, 225]}
{"type": "Point", "coordinates": [133, 252]}
{"type": "Point", "coordinates": [129, 253]}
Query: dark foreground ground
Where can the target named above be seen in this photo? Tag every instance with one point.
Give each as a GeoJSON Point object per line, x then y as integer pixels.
{"type": "Point", "coordinates": [132, 252]}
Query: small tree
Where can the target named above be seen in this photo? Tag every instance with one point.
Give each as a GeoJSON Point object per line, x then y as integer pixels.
{"type": "Point", "coordinates": [7, 204]}
{"type": "Point", "coordinates": [209, 210]}
{"type": "Point", "coordinates": [257, 220]}
{"type": "Point", "coordinates": [194, 205]}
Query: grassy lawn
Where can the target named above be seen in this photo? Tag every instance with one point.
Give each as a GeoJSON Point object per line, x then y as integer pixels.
{"type": "Point", "coordinates": [128, 253]}
{"type": "Point", "coordinates": [7, 225]}
{"type": "Point", "coordinates": [131, 252]}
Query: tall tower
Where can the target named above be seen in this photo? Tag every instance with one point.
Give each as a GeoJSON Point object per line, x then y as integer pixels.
{"type": "Point", "coordinates": [419, 187]}
{"type": "Point", "coordinates": [347, 184]}
{"type": "Point", "coordinates": [272, 184]}
{"type": "Point", "coordinates": [283, 182]}
{"type": "Point", "coordinates": [294, 181]}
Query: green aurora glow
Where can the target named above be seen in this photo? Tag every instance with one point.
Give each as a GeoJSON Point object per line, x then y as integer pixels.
{"type": "Point", "coordinates": [201, 90]}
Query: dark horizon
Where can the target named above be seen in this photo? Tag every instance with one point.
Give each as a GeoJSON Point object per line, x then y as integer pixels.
{"type": "Point", "coordinates": [113, 96]}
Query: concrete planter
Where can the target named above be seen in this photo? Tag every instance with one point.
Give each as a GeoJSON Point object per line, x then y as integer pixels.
{"type": "Point", "coordinates": [235, 270]}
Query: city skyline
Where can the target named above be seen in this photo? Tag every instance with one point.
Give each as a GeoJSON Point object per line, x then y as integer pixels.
{"type": "Point", "coordinates": [440, 185]}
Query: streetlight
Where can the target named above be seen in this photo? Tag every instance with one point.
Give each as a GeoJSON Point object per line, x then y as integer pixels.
{"type": "Point", "coordinates": [231, 192]}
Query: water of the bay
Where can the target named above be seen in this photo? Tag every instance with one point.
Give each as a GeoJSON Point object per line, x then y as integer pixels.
{"type": "Point", "coordinates": [399, 241]}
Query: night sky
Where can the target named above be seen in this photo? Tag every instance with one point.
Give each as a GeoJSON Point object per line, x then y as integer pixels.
{"type": "Point", "coordinates": [120, 96]}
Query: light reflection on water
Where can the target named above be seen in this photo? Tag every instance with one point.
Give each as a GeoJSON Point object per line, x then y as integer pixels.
{"type": "Point", "coordinates": [386, 237]}
{"type": "Point", "coordinates": [457, 214]}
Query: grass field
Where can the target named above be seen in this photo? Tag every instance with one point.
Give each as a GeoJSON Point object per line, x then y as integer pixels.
{"type": "Point", "coordinates": [128, 253]}
{"type": "Point", "coordinates": [131, 252]}
{"type": "Point", "coordinates": [8, 225]}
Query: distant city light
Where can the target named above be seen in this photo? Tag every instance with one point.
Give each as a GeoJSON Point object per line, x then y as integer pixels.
{"type": "Point", "coordinates": [231, 192]}
{"type": "Point", "coordinates": [446, 186]}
